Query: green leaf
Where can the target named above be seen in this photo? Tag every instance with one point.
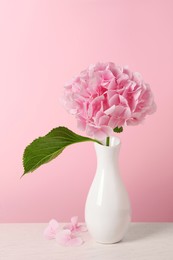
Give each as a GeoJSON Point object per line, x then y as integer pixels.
{"type": "Point", "coordinates": [44, 149]}
{"type": "Point", "coordinates": [118, 129]}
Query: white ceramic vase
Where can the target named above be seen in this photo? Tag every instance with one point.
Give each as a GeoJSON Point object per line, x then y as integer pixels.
{"type": "Point", "coordinates": [107, 209]}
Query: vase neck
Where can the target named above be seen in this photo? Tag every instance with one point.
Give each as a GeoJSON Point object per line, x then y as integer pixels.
{"type": "Point", "coordinates": [108, 155]}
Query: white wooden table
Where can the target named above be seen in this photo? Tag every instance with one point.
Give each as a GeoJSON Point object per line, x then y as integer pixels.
{"type": "Point", "coordinates": [144, 241]}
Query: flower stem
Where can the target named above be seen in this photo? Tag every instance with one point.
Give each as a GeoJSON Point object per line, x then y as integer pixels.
{"type": "Point", "coordinates": [107, 141]}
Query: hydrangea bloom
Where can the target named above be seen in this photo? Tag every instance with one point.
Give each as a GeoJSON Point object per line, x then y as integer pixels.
{"type": "Point", "coordinates": [106, 96]}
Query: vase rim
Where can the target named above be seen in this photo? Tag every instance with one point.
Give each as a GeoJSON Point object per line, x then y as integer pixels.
{"type": "Point", "coordinates": [114, 142]}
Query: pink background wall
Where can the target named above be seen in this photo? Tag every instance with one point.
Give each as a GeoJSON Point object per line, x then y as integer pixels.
{"type": "Point", "coordinates": [43, 43]}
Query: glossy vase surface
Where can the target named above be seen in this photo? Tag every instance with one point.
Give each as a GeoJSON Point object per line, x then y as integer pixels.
{"type": "Point", "coordinates": [107, 209]}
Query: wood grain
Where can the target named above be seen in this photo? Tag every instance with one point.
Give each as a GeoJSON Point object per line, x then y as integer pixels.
{"type": "Point", "coordinates": [144, 241]}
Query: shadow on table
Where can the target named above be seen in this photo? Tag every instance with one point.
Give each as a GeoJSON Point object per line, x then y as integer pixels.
{"type": "Point", "coordinates": [143, 230]}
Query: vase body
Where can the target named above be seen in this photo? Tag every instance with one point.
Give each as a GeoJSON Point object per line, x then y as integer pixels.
{"type": "Point", "coordinates": [107, 209]}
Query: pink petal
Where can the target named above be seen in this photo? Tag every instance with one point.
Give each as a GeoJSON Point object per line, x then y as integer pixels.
{"type": "Point", "coordinates": [114, 100]}
{"type": "Point", "coordinates": [73, 226]}
{"type": "Point", "coordinates": [119, 117]}
{"type": "Point", "coordinates": [112, 84]}
{"type": "Point", "coordinates": [74, 220]}
{"type": "Point", "coordinates": [95, 106]}
{"type": "Point", "coordinates": [116, 70]}
{"type": "Point", "coordinates": [135, 120]}
{"type": "Point", "coordinates": [68, 226]}
{"type": "Point", "coordinates": [51, 230]}
{"type": "Point", "coordinates": [119, 111]}
{"type": "Point", "coordinates": [153, 108]}
{"type": "Point", "coordinates": [94, 81]}
{"type": "Point", "coordinates": [90, 130]}
{"type": "Point", "coordinates": [123, 100]}
{"type": "Point", "coordinates": [82, 228]}
{"type": "Point", "coordinates": [107, 75]}
{"type": "Point", "coordinates": [65, 238]}
{"type": "Point", "coordinates": [111, 93]}
{"type": "Point", "coordinates": [97, 117]}
{"type": "Point", "coordinates": [103, 120]}
{"type": "Point", "coordinates": [102, 132]}
{"type": "Point", "coordinates": [110, 110]}
{"type": "Point", "coordinates": [54, 224]}
{"type": "Point", "coordinates": [113, 122]}
{"type": "Point", "coordinates": [137, 77]}
{"type": "Point", "coordinates": [100, 66]}
{"type": "Point", "coordinates": [127, 71]}
{"type": "Point", "coordinates": [75, 242]}
{"type": "Point", "coordinates": [124, 77]}
{"type": "Point", "coordinates": [49, 234]}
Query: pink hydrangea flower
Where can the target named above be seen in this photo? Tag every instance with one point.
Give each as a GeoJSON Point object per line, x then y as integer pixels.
{"type": "Point", "coordinates": [106, 96]}
{"type": "Point", "coordinates": [51, 230]}
{"type": "Point", "coordinates": [66, 238]}
{"type": "Point", "coordinates": [74, 226]}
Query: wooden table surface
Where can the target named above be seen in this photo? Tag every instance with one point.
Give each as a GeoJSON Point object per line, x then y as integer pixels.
{"type": "Point", "coordinates": [144, 241]}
